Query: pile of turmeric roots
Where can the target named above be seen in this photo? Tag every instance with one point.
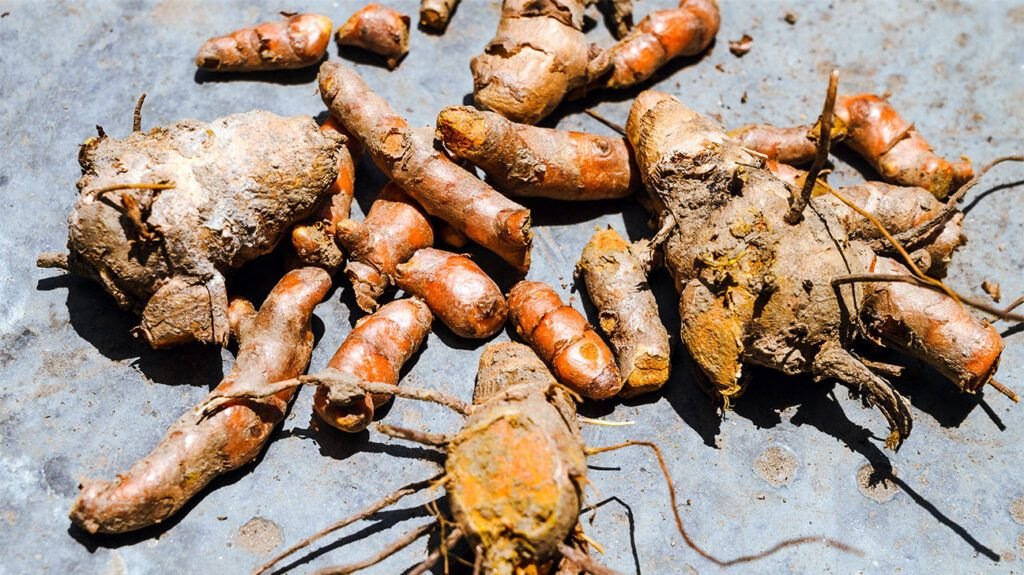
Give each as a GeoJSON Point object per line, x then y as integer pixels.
{"type": "Point", "coordinates": [773, 266]}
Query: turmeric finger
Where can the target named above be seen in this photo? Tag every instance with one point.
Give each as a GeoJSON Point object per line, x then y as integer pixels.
{"type": "Point", "coordinates": [434, 14]}
{"type": "Point", "coordinates": [276, 346]}
{"type": "Point", "coordinates": [661, 36]}
{"type": "Point", "coordinates": [930, 326]}
{"type": "Point", "coordinates": [313, 241]}
{"type": "Point", "coordinates": [394, 229]}
{"type": "Point", "coordinates": [459, 293]}
{"type": "Point", "coordinates": [378, 29]}
{"type": "Point", "coordinates": [523, 160]}
{"type": "Point", "coordinates": [791, 146]}
{"type": "Point", "coordinates": [294, 42]}
{"type": "Point", "coordinates": [895, 148]}
{"type": "Point", "coordinates": [561, 336]}
{"type": "Point", "coordinates": [615, 274]}
{"type": "Point", "coordinates": [375, 351]}
{"type": "Point", "coordinates": [409, 158]}
{"type": "Point", "coordinates": [538, 55]}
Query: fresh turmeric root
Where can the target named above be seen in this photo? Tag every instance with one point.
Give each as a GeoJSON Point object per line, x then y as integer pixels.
{"type": "Point", "coordinates": [537, 57]}
{"type": "Point", "coordinates": [394, 229]}
{"type": "Point", "coordinates": [561, 336]}
{"type": "Point", "coordinates": [792, 146]}
{"type": "Point", "coordinates": [313, 241]}
{"type": "Point", "coordinates": [434, 14]}
{"type": "Point", "coordinates": [615, 273]}
{"type": "Point", "coordinates": [409, 158]}
{"type": "Point", "coordinates": [375, 350]}
{"type": "Point", "coordinates": [895, 148]}
{"type": "Point", "coordinates": [378, 29]}
{"type": "Point", "coordinates": [275, 345]}
{"type": "Point", "coordinates": [660, 37]}
{"type": "Point", "coordinates": [523, 160]}
{"type": "Point", "coordinates": [459, 293]}
{"type": "Point", "coordinates": [295, 42]}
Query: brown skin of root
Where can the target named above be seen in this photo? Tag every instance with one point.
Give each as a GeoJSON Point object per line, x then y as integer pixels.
{"type": "Point", "coordinates": [538, 56]}
{"type": "Point", "coordinates": [516, 470]}
{"type": "Point", "coordinates": [616, 280]}
{"type": "Point", "coordinates": [276, 346]}
{"type": "Point", "coordinates": [892, 145]}
{"type": "Point", "coordinates": [434, 14]}
{"type": "Point", "coordinates": [786, 145]}
{"type": "Point", "coordinates": [523, 160]}
{"type": "Point", "coordinates": [900, 208]}
{"type": "Point", "coordinates": [661, 36]}
{"type": "Point", "coordinates": [375, 350]}
{"type": "Point", "coordinates": [505, 364]}
{"type": "Point", "coordinates": [459, 293]}
{"type": "Point", "coordinates": [294, 42]}
{"type": "Point", "coordinates": [394, 229]}
{"type": "Point", "coordinates": [932, 327]}
{"type": "Point", "coordinates": [176, 282]}
{"type": "Point", "coordinates": [241, 314]}
{"type": "Point", "coordinates": [451, 236]}
{"type": "Point", "coordinates": [409, 157]}
{"type": "Point", "coordinates": [561, 336]}
{"type": "Point", "coordinates": [747, 295]}
{"type": "Point", "coordinates": [378, 29]}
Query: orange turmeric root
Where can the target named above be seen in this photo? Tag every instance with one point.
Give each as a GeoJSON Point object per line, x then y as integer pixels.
{"type": "Point", "coordinates": [791, 146]}
{"type": "Point", "coordinates": [394, 229]}
{"type": "Point", "coordinates": [375, 350]}
{"type": "Point", "coordinates": [930, 326]}
{"type": "Point", "coordinates": [895, 148]}
{"type": "Point", "coordinates": [615, 273]}
{"type": "Point", "coordinates": [561, 336]}
{"type": "Point", "coordinates": [313, 241]}
{"type": "Point", "coordinates": [294, 42]}
{"type": "Point", "coordinates": [523, 160]}
{"type": "Point", "coordinates": [408, 157]}
{"type": "Point", "coordinates": [434, 14]}
{"type": "Point", "coordinates": [378, 29]}
{"type": "Point", "coordinates": [459, 293]}
{"type": "Point", "coordinates": [275, 345]}
{"type": "Point", "coordinates": [538, 55]}
{"type": "Point", "coordinates": [661, 36]}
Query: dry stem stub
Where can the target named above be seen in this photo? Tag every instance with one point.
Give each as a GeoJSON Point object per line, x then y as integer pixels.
{"type": "Point", "coordinates": [410, 158]}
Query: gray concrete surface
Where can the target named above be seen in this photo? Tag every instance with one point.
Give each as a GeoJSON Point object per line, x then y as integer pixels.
{"type": "Point", "coordinates": [79, 397]}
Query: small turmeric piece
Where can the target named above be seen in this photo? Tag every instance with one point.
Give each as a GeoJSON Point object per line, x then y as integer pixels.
{"type": "Point", "coordinates": [409, 157]}
{"type": "Point", "coordinates": [523, 160]}
{"type": "Point", "coordinates": [563, 338]}
{"type": "Point", "coordinates": [313, 241]}
{"type": "Point", "coordinates": [294, 42]}
{"type": "Point", "coordinates": [538, 55]}
{"type": "Point", "coordinates": [895, 148]}
{"type": "Point", "coordinates": [375, 350]}
{"type": "Point", "coordinates": [434, 14]}
{"type": "Point", "coordinates": [791, 146]}
{"type": "Point", "coordinates": [394, 229]}
{"type": "Point", "coordinates": [378, 29]}
{"type": "Point", "coordinates": [275, 344]}
{"type": "Point", "coordinates": [459, 293]}
{"type": "Point", "coordinates": [660, 37]}
{"type": "Point", "coordinates": [615, 273]}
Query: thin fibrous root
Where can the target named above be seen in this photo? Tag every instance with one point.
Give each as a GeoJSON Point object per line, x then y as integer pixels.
{"type": "Point", "coordinates": [796, 211]}
{"type": "Point", "coordinates": [433, 558]}
{"type": "Point", "coordinates": [424, 437]}
{"type": "Point", "coordinates": [365, 513]}
{"type": "Point", "coordinates": [583, 560]}
{"type": "Point", "coordinates": [686, 537]}
{"type": "Point", "coordinates": [394, 547]}
{"type": "Point", "coordinates": [116, 187]}
{"type": "Point", "coordinates": [1004, 390]}
{"type": "Point", "coordinates": [590, 421]}
{"type": "Point", "coordinates": [617, 127]}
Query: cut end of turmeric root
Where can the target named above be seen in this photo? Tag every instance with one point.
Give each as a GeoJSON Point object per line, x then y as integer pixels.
{"type": "Point", "coordinates": [294, 42]}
